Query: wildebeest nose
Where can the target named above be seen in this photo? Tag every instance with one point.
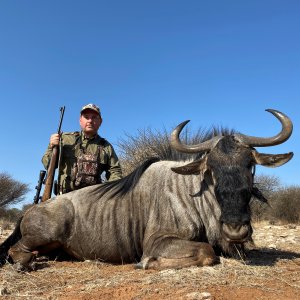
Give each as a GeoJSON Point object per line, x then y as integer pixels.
{"type": "Point", "coordinates": [235, 231]}
{"type": "Point", "coordinates": [234, 226]}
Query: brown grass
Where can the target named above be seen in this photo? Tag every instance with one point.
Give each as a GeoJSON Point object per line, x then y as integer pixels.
{"type": "Point", "coordinates": [271, 271]}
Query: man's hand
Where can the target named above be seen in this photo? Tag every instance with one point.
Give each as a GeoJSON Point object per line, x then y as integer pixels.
{"type": "Point", "coordinates": [54, 140]}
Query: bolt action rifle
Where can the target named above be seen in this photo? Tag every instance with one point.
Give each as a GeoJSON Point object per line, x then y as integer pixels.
{"type": "Point", "coordinates": [53, 163]}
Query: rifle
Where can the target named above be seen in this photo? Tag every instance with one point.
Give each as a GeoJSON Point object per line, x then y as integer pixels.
{"type": "Point", "coordinates": [53, 163]}
{"type": "Point", "coordinates": [38, 188]}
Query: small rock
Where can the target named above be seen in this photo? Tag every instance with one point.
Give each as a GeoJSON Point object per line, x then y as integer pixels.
{"type": "Point", "coordinates": [205, 295]}
{"type": "Point", "coordinates": [284, 235]}
{"type": "Point", "coordinates": [4, 291]}
{"type": "Point", "coordinates": [199, 296]}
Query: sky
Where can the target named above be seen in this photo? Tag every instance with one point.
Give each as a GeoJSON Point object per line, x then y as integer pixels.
{"type": "Point", "coordinates": [147, 64]}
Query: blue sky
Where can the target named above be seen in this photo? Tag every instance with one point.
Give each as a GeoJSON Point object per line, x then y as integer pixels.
{"type": "Point", "coordinates": [147, 64]}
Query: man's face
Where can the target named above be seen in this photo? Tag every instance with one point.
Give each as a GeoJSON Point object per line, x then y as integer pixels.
{"type": "Point", "coordinates": [90, 122]}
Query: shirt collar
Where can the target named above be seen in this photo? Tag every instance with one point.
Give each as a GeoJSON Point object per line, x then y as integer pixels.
{"type": "Point", "coordinates": [85, 138]}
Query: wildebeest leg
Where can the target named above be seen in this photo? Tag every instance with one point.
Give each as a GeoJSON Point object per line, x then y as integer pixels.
{"type": "Point", "coordinates": [42, 231]}
{"type": "Point", "coordinates": [21, 256]}
{"type": "Point", "coordinates": [173, 252]}
{"type": "Point", "coordinates": [24, 252]}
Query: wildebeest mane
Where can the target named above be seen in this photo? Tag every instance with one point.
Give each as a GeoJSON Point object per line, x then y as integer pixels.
{"type": "Point", "coordinates": [127, 183]}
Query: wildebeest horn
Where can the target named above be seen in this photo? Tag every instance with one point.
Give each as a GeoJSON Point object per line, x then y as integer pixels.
{"type": "Point", "coordinates": [282, 136]}
{"type": "Point", "coordinates": [176, 143]}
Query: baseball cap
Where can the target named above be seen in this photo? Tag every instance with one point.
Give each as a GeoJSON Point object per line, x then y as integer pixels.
{"type": "Point", "coordinates": [92, 107]}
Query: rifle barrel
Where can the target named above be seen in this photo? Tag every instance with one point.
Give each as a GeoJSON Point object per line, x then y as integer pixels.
{"type": "Point", "coordinates": [62, 112]}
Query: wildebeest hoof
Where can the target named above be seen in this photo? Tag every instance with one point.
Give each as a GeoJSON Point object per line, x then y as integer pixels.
{"type": "Point", "coordinates": [42, 259]}
{"type": "Point", "coordinates": [144, 263]}
{"type": "Point", "coordinates": [39, 265]}
{"type": "Point", "coordinates": [139, 266]}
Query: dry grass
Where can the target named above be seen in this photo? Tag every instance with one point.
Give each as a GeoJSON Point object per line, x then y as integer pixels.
{"type": "Point", "coordinates": [272, 271]}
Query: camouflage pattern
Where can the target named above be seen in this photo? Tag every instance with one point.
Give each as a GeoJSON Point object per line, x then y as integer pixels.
{"type": "Point", "coordinates": [91, 107]}
{"type": "Point", "coordinates": [86, 171]}
{"type": "Point", "coordinates": [71, 146]}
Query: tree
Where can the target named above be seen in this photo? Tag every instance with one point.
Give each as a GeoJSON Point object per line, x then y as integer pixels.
{"type": "Point", "coordinates": [268, 185]}
{"type": "Point", "coordinates": [11, 190]}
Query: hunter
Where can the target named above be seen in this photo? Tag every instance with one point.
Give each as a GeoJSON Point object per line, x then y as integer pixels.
{"type": "Point", "coordinates": [85, 158]}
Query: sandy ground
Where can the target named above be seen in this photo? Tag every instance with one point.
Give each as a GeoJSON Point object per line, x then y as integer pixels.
{"type": "Point", "coordinates": [271, 271]}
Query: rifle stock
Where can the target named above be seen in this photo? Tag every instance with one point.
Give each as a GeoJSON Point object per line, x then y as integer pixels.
{"type": "Point", "coordinates": [53, 163]}
{"type": "Point", "coordinates": [50, 175]}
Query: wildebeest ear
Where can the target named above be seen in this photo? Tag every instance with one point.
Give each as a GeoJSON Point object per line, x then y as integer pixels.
{"type": "Point", "coordinates": [258, 195]}
{"type": "Point", "coordinates": [272, 160]}
{"type": "Point", "coordinates": [189, 169]}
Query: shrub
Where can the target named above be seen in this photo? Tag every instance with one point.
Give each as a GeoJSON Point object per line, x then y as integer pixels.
{"type": "Point", "coordinates": [267, 185]}
{"type": "Point", "coordinates": [285, 205]}
{"type": "Point", "coordinates": [10, 215]}
{"type": "Point", "coordinates": [149, 143]}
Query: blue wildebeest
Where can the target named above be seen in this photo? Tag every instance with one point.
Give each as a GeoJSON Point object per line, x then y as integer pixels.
{"type": "Point", "coordinates": [163, 215]}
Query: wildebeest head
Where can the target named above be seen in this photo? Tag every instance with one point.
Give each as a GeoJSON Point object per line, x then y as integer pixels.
{"type": "Point", "coordinates": [228, 165]}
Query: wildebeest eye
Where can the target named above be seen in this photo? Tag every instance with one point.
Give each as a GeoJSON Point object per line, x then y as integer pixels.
{"type": "Point", "coordinates": [253, 169]}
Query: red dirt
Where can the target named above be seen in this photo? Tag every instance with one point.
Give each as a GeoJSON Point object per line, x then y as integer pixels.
{"type": "Point", "coordinates": [272, 271]}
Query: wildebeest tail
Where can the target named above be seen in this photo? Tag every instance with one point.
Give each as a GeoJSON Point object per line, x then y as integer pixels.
{"type": "Point", "coordinates": [10, 241]}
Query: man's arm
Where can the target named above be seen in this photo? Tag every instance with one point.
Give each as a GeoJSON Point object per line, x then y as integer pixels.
{"type": "Point", "coordinates": [54, 142]}
{"type": "Point", "coordinates": [114, 170]}
{"type": "Point", "coordinates": [46, 157]}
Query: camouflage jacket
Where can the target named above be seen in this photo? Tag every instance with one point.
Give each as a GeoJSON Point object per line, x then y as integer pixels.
{"type": "Point", "coordinates": [71, 144]}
